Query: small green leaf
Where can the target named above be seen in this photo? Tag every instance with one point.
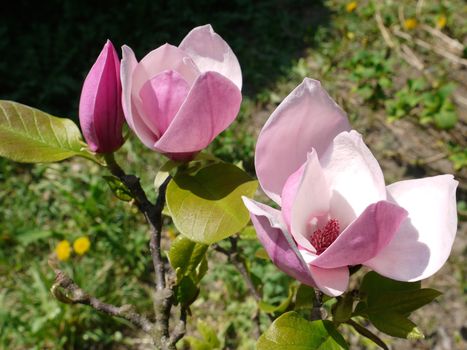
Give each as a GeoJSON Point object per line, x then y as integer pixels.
{"type": "Point", "coordinates": [186, 291]}
{"type": "Point", "coordinates": [207, 207]}
{"type": "Point", "coordinates": [208, 334]}
{"type": "Point", "coordinates": [32, 136]}
{"type": "Point", "coordinates": [305, 297]}
{"type": "Point", "coordinates": [282, 307]}
{"type": "Point", "coordinates": [33, 236]}
{"type": "Point", "coordinates": [164, 171]}
{"type": "Point", "coordinates": [445, 119]}
{"type": "Point", "coordinates": [118, 188]}
{"type": "Point", "coordinates": [197, 344]}
{"type": "Point", "coordinates": [249, 233]}
{"type": "Point", "coordinates": [261, 254]}
{"type": "Point", "coordinates": [396, 325]}
{"type": "Point", "coordinates": [185, 255]}
{"type": "Point", "coordinates": [202, 269]}
{"type": "Point", "coordinates": [292, 332]}
{"type": "Point", "coordinates": [342, 310]}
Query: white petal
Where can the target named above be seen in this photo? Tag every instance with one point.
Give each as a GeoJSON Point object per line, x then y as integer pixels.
{"type": "Point", "coordinates": [211, 53]}
{"type": "Point", "coordinates": [354, 176]}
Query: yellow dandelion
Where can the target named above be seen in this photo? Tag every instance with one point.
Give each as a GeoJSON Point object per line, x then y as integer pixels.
{"type": "Point", "coordinates": [350, 35]}
{"type": "Point", "coordinates": [351, 6]}
{"type": "Point", "coordinates": [441, 22]}
{"type": "Point", "coordinates": [81, 245]}
{"type": "Point", "coordinates": [410, 23]}
{"type": "Point", "coordinates": [63, 250]}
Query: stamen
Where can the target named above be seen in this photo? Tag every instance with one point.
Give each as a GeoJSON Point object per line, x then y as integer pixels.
{"type": "Point", "coordinates": [322, 238]}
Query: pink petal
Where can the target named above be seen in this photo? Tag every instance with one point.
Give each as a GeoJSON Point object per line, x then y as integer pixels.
{"type": "Point", "coordinates": [277, 242]}
{"type": "Point", "coordinates": [162, 97]}
{"type": "Point", "coordinates": [132, 116]}
{"type": "Point", "coordinates": [165, 57]}
{"type": "Point", "coordinates": [211, 106]}
{"type": "Point", "coordinates": [354, 176]}
{"type": "Point", "coordinates": [424, 240]}
{"type": "Point", "coordinates": [305, 195]}
{"type": "Point", "coordinates": [211, 53]}
{"type": "Point", "coordinates": [365, 237]}
{"type": "Point", "coordinates": [332, 282]}
{"type": "Point", "coordinates": [307, 118]}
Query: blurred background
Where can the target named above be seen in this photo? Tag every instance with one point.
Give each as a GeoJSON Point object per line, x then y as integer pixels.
{"type": "Point", "coordinates": [399, 69]}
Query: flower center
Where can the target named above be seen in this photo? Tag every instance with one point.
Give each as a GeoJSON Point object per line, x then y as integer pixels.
{"type": "Point", "coordinates": [322, 238]}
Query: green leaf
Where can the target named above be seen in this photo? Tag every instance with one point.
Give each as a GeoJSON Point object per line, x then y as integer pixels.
{"type": "Point", "coordinates": [382, 294]}
{"type": "Point", "coordinates": [185, 255]}
{"type": "Point", "coordinates": [403, 302]}
{"type": "Point", "coordinates": [32, 136]}
{"type": "Point", "coordinates": [387, 303]}
{"type": "Point", "coordinates": [118, 188]}
{"type": "Point", "coordinates": [206, 207]}
{"type": "Point", "coordinates": [373, 285]}
{"type": "Point", "coordinates": [396, 325]}
{"type": "Point", "coordinates": [292, 332]}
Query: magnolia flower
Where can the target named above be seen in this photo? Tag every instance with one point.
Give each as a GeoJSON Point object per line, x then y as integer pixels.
{"type": "Point", "coordinates": [100, 110]}
{"type": "Point", "coordinates": [178, 99]}
{"type": "Point", "coordinates": [336, 211]}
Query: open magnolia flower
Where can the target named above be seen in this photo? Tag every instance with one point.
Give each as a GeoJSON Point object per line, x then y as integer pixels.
{"type": "Point", "coordinates": [336, 210]}
{"type": "Point", "coordinates": [178, 99]}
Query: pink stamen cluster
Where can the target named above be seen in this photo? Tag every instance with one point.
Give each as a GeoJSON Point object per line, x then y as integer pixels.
{"type": "Point", "coordinates": [322, 238]}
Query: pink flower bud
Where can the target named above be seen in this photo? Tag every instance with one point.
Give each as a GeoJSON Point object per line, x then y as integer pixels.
{"type": "Point", "coordinates": [100, 109]}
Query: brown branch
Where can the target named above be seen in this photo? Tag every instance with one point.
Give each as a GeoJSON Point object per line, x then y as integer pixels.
{"type": "Point", "coordinates": [66, 290]}
{"type": "Point", "coordinates": [163, 297]}
{"type": "Point", "coordinates": [180, 329]}
{"type": "Point", "coordinates": [152, 213]}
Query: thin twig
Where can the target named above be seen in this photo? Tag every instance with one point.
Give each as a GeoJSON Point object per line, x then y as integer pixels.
{"type": "Point", "coordinates": [438, 50]}
{"type": "Point", "coordinates": [234, 257]}
{"type": "Point", "coordinates": [66, 290]}
{"type": "Point", "coordinates": [317, 312]}
{"type": "Point", "coordinates": [452, 43]}
{"type": "Point", "coordinates": [367, 333]}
